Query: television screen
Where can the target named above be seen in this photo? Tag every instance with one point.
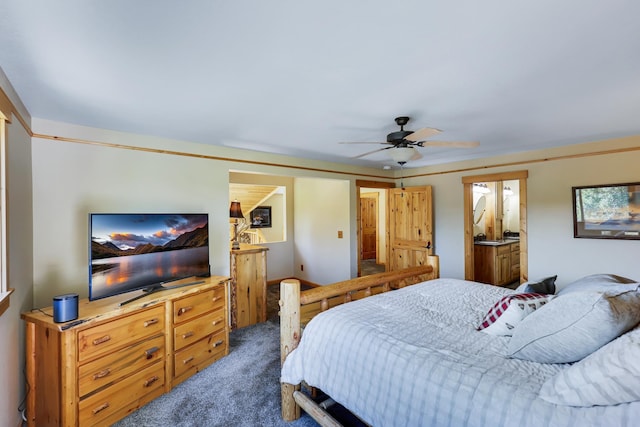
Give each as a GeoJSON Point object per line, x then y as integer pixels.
{"type": "Point", "coordinates": [142, 251]}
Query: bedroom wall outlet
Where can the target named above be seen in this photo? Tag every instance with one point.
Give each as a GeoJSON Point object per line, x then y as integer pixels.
{"type": "Point", "coordinates": [301, 267]}
{"type": "Point", "coordinates": [339, 234]}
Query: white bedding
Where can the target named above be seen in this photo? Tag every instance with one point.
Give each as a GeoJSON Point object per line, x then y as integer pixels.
{"type": "Point", "coordinates": [413, 357]}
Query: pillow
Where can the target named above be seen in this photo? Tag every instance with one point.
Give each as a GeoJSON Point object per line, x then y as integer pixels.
{"type": "Point", "coordinates": [599, 282]}
{"type": "Point", "coordinates": [507, 313]}
{"type": "Point", "coordinates": [575, 325]}
{"type": "Point", "coordinates": [546, 285]}
{"type": "Point", "coordinates": [608, 376]}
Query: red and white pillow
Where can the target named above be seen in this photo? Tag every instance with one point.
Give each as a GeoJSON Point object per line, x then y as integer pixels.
{"type": "Point", "coordinates": [505, 315]}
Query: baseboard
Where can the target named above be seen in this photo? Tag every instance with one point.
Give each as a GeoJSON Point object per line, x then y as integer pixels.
{"type": "Point", "coordinates": [302, 282]}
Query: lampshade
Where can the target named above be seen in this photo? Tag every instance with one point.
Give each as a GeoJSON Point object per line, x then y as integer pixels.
{"type": "Point", "coordinates": [402, 154]}
{"type": "Point", "coordinates": [235, 211]}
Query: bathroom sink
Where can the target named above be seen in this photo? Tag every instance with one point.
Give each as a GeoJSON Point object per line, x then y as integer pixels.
{"type": "Point", "coordinates": [492, 242]}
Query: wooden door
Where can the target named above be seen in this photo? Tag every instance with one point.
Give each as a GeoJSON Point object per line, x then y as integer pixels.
{"type": "Point", "coordinates": [369, 225]}
{"type": "Point", "coordinates": [410, 227]}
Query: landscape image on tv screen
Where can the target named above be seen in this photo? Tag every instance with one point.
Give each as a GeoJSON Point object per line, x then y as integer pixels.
{"type": "Point", "coordinates": [142, 251]}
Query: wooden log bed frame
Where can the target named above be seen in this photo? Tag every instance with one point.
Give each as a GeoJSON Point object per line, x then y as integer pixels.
{"type": "Point", "coordinates": [298, 307]}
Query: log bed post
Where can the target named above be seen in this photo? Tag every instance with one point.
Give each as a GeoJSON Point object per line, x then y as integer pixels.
{"type": "Point", "coordinates": [289, 339]}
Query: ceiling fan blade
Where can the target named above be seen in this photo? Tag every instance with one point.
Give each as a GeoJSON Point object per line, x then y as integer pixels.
{"type": "Point", "coordinates": [362, 142]}
{"type": "Point", "coordinates": [416, 156]}
{"type": "Point", "coordinates": [371, 152]}
{"type": "Point", "coordinates": [422, 134]}
{"type": "Point", "coordinates": [455, 144]}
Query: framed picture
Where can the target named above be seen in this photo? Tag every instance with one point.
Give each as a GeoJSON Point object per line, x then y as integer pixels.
{"type": "Point", "coordinates": [607, 211]}
{"type": "Point", "coordinates": [261, 217]}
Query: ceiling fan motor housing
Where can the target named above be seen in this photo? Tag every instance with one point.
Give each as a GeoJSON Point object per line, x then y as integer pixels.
{"type": "Point", "coordinates": [399, 136]}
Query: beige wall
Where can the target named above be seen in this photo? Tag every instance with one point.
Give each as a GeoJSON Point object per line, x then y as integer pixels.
{"type": "Point", "coordinates": [552, 173]}
{"type": "Point", "coordinates": [71, 180]}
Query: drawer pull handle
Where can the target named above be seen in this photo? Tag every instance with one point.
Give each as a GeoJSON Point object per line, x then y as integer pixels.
{"type": "Point", "coordinates": [101, 374]}
{"type": "Point", "coordinates": [149, 352]}
{"type": "Point", "coordinates": [101, 340]}
{"type": "Point", "coordinates": [151, 322]}
{"type": "Point", "coordinates": [187, 335]}
{"type": "Point", "coordinates": [214, 299]}
{"type": "Point", "coordinates": [187, 360]}
{"type": "Point", "coordinates": [215, 322]}
{"type": "Point", "coordinates": [151, 380]}
{"type": "Point", "coordinates": [217, 343]}
{"type": "Point", "coordinates": [183, 310]}
{"type": "Point", "coordinates": [102, 407]}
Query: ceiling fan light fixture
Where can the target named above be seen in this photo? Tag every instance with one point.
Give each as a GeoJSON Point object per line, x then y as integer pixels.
{"type": "Point", "coordinates": [402, 154]}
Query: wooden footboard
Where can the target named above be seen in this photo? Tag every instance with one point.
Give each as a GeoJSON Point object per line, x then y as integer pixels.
{"type": "Point", "coordinates": [297, 308]}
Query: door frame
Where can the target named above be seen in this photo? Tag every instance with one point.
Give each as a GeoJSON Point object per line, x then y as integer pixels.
{"type": "Point", "coordinates": [370, 184]}
{"type": "Point", "coordinates": [468, 219]}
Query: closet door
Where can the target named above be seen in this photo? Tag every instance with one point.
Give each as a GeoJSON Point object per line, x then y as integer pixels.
{"type": "Point", "coordinates": [410, 227]}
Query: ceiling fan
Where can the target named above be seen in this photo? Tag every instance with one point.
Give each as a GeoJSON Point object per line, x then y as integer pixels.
{"type": "Point", "coordinates": [404, 142]}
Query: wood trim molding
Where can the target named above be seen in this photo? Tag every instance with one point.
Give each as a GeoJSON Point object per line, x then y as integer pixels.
{"type": "Point", "coordinates": [8, 108]}
{"type": "Point", "coordinates": [200, 156]}
{"type": "Point", "coordinates": [502, 176]}
{"type": "Point", "coordinates": [374, 184]}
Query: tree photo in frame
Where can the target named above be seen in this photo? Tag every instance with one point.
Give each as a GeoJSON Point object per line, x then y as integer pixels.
{"type": "Point", "coordinates": [607, 211]}
{"type": "Point", "coordinates": [261, 217]}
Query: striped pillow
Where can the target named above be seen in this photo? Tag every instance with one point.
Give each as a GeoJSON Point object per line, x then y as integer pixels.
{"type": "Point", "coordinates": [505, 315]}
{"type": "Point", "coordinates": [608, 376]}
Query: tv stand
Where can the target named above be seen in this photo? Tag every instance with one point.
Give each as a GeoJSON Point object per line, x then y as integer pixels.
{"type": "Point", "coordinates": [117, 359]}
{"type": "Point", "coordinates": [158, 288]}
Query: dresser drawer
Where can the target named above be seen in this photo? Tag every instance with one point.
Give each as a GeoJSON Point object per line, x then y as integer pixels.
{"type": "Point", "coordinates": [196, 329]}
{"type": "Point", "coordinates": [194, 305]}
{"type": "Point", "coordinates": [112, 367]}
{"type": "Point", "coordinates": [515, 247]}
{"type": "Point", "coordinates": [115, 334]}
{"type": "Point", "coordinates": [95, 409]}
{"type": "Point", "coordinates": [190, 358]}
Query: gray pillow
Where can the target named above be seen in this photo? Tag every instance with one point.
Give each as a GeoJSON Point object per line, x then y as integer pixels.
{"type": "Point", "coordinates": [599, 283]}
{"type": "Point", "coordinates": [545, 285]}
{"type": "Point", "coordinates": [608, 376]}
{"type": "Point", "coordinates": [572, 326]}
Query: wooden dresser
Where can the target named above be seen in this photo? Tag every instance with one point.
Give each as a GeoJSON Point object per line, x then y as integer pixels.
{"type": "Point", "coordinates": [248, 285]}
{"type": "Point", "coordinates": [120, 358]}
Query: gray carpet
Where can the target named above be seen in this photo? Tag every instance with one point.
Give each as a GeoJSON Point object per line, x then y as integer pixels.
{"type": "Point", "coordinates": [241, 389]}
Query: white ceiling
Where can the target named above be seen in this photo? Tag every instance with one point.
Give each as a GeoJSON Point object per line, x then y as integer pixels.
{"type": "Point", "coordinates": [298, 77]}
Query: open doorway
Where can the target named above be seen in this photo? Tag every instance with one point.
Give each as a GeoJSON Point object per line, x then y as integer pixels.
{"type": "Point", "coordinates": [496, 228]}
{"type": "Point", "coordinates": [372, 229]}
{"type": "Point", "coordinates": [372, 226]}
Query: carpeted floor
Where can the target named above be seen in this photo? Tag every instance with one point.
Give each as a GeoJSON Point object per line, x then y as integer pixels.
{"type": "Point", "coordinates": [241, 389]}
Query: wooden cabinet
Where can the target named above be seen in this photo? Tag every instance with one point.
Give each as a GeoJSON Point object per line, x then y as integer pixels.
{"type": "Point", "coordinates": [116, 359]}
{"type": "Point", "coordinates": [248, 285]}
{"type": "Point", "coordinates": [495, 264]}
{"type": "Point", "coordinates": [515, 262]}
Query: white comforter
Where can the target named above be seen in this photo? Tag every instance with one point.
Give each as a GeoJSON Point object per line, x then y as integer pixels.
{"type": "Point", "coordinates": [413, 357]}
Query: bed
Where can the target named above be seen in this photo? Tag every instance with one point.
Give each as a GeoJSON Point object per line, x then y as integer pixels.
{"type": "Point", "coordinates": [415, 356]}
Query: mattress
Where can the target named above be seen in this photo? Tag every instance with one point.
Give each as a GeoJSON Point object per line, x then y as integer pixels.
{"type": "Point", "coordinates": [413, 357]}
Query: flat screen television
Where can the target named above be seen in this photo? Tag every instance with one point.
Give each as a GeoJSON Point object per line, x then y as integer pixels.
{"type": "Point", "coordinates": [130, 252]}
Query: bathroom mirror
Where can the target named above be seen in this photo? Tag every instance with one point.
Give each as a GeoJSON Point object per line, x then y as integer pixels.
{"type": "Point", "coordinates": [479, 209]}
